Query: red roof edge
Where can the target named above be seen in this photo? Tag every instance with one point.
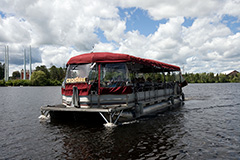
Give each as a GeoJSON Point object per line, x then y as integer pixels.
{"type": "Point", "coordinates": [107, 57]}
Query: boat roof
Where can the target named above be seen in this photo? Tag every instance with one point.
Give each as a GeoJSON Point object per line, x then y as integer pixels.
{"type": "Point", "coordinates": [107, 57]}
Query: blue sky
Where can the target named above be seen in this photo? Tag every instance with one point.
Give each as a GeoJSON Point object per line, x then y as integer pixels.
{"type": "Point", "coordinates": [138, 19]}
{"type": "Point", "coordinates": [2, 14]}
{"type": "Point", "coordinates": [232, 22]}
{"type": "Point", "coordinates": [202, 37]}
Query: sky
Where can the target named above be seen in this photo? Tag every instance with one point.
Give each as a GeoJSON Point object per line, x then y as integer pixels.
{"type": "Point", "coordinates": [198, 36]}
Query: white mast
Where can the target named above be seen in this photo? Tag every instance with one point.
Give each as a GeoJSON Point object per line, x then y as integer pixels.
{"type": "Point", "coordinates": [30, 62]}
{"type": "Point", "coordinates": [24, 75]}
{"type": "Point", "coordinates": [7, 63]}
{"type": "Point", "coordinates": [6, 68]}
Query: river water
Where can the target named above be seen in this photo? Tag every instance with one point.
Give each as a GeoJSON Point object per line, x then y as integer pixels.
{"type": "Point", "coordinates": [206, 127]}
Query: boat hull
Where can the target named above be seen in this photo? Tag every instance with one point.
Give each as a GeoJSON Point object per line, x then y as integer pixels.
{"type": "Point", "coordinates": [109, 115]}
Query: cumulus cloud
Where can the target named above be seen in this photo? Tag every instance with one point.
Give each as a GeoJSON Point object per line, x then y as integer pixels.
{"type": "Point", "coordinates": [169, 9]}
{"type": "Point", "coordinates": [58, 30]}
{"type": "Point", "coordinates": [14, 30]}
{"type": "Point", "coordinates": [104, 47]}
{"type": "Point", "coordinates": [163, 45]}
{"type": "Point", "coordinates": [113, 29]}
{"type": "Point", "coordinates": [231, 7]}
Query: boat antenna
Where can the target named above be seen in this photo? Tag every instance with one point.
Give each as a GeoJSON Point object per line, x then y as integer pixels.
{"type": "Point", "coordinates": [92, 49]}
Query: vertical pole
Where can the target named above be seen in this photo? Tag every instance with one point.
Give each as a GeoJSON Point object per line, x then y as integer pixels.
{"type": "Point", "coordinates": [164, 77]}
{"type": "Point", "coordinates": [164, 84]}
{"type": "Point", "coordinates": [99, 80]}
{"type": "Point", "coordinates": [30, 62]}
{"type": "Point", "coordinates": [5, 65]}
{"type": "Point", "coordinates": [24, 75]}
{"type": "Point", "coordinates": [110, 117]}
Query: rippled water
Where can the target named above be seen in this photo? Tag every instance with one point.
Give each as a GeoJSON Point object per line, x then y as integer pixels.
{"type": "Point", "coordinates": [206, 127]}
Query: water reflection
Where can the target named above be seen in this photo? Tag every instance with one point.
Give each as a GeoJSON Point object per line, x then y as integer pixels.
{"type": "Point", "coordinates": [154, 137]}
{"type": "Point", "coordinates": [206, 127]}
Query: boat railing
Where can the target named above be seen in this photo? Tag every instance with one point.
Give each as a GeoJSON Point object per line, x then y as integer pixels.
{"type": "Point", "coordinates": [147, 86]}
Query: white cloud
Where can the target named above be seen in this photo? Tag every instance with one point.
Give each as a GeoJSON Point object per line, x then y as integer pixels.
{"type": "Point", "coordinates": [61, 29]}
{"type": "Point", "coordinates": [104, 47]}
{"type": "Point", "coordinates": [203, 30]}
{"type": "Point", "coordinates": [14, 30]}
{"type": "Point", "coordinates": [169, 9]}
{"type": "Point", "coordinates": [64, 22]}
{"type": "Point", "coordinates": [113, 29]}
{"type": "Point", "coordinates": [134, 44]}
{"type": "Point", "coordinates": [231, 7]}
{"type": "Point", "coordinates": [58, 56]}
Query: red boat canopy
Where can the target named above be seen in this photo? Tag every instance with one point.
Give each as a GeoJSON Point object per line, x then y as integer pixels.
{"type": "Point", "coordinates": [107, 57]}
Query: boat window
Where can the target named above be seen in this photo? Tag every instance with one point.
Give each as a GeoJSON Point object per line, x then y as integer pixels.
{"type": "Point", "coordinates": [78, 73]}
{"type": "Point", "coordinates": [170, 76]}
{"type": "Point", "coordinates": [114, 75]}
{"type": "Point", "coordinates": [93, 74]}
{"type": "Point", "coordinates": [177, 76]}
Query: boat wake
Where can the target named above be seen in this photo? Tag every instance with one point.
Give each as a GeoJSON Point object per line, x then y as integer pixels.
{"type": "Point", "coordinates": [43, 118]}
{"type": "Point", "coordinates": [110, 125]}
{"type": "Point", "coordinates": [130, 122]}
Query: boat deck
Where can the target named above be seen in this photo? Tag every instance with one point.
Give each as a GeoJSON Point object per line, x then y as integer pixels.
{"type": "Point", "coordinates": [61, 107]}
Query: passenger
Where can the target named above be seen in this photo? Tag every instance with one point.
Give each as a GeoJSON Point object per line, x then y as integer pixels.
{"type": "Point", "coordinates": [141, 80]}
{"type": "Point", "coordinates": [149, 79]}
{"type": "Point", "coordinates": [119, 78]}
{"type": "Point", "coordinates": [148, 84]}
{"type": "Point", "coordinates": [120, 81]}
{"type": "Point", "coordinates": [139, 84]}
{"type": "Point", "coordinates": [159, 80]}
{"type": "Point", "coordinates": [160, 83]}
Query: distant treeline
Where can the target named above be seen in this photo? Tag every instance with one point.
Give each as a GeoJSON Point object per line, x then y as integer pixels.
{"type": "Point", "coordinates": [211, 78]}
{"type": "Point", "coordinates": [40, 77]}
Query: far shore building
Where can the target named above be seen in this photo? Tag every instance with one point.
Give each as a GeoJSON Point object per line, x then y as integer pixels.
{"type": "Point", "coordinates": [22, 74]}
{"type": "Point", "coordinates": [233, 73]}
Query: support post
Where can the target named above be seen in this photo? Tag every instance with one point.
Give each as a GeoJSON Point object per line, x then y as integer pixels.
{"type": "Point", "coordinates": [103, 117]}
{"type": "Point", "coordinates": [99, 80]}
{"type": "Point", "coordinates": [110, 118]}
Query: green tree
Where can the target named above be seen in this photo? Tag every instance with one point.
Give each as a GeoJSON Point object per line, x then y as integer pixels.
{"type": "Point", "coordinates": [16, 75]}
{"type": "Point", "coordinates": [39, 78]}
{"type": "Point", "coordinates": [1, 70]}
{"type": "Point", "coordinates": [211, 77]}
{"type": "Point", "coordinates": [61, 73]}
{"type": "Point", "coordinates": [235, 79]}
{"type": "Point", "coordinates": [197, 78]}
{"type": "Point", "coordinates": [54, 75]}
{"type": "Point", "coordinates": [217, 78]}
{"type": "Point", "coordinates": [44, 69]}
{"type": "Point", "coordinates": [2, 83]}
{"type": "Point", "coordinates": [222, 78]}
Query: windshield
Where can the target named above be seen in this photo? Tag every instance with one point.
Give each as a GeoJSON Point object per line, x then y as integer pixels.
{"type": "Point", "coordinates": [114, 74]}
{"type": "Point", "coordinates": [78, 73]}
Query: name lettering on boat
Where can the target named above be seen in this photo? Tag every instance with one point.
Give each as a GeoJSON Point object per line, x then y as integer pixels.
{"type": "Point", "coordinates": [75, 80]}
